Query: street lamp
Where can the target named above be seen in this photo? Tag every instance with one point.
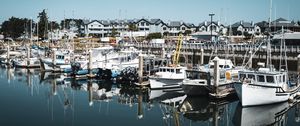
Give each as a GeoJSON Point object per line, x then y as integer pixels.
{"type": "Point", "coordinates": [211, 19]}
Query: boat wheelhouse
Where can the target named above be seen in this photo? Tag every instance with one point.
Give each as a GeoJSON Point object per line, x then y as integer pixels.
{"type": "Point", "coordinates": [167, 77]}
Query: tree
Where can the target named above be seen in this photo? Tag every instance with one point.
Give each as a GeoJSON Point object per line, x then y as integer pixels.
{"type": "Point", "coordinates": [165, 33]}
{"type": "Point", "coordinates": [132, 27]}
{"type": "Point", "coordinates": [114, 32]}
{"type": "Point", "coordinates": [187, 32]}
{"type": "Point", "coordinates": [247, 35]}
{"type": "Point", "coordinates": [53, 25]}
{"type": "Point", "coordinates": [15, 27]}
{"type": "Point", "coordinates": [72, 23]}
{"type": "Point", "coordinates": [43, 25]}
{"type": "Point", "coordinates": [156, 35]}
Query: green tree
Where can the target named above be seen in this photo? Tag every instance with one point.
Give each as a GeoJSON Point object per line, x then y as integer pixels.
{"type": "Point", "coordinates": [165, 33]}
{"type": "Point", "coordinates": [156, 35]}
{"type": "Point", "coordinates": [187, 32]}
{"type": "Point", "coordinates": [247, 35]}
{"type": "Point", "coordinates": [114, 32]}
{"type": "Point", "coordinates": [132, 27]}
{"type": "Point", "coordinates": [53, 25]}
{"type": "Point", "coordinates": [43, 25]}
{"type": "Point", "coordinates": [15, 27]}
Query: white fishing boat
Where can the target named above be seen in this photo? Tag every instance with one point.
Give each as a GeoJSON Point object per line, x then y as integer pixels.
{"type": "Point", "coordinates": [267, 85]}
{"type": "Point", "coordinates": [201, 81]}
{"type": "Point", "coordinates": [167, 77]}
{"type": "Point", "coordinates": [264, 86]}
{"type": "Point", "coordinates": [60, 62]}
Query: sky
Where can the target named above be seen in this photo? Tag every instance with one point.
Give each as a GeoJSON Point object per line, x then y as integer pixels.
{"type": "Point", "coordinates": [191, 11]}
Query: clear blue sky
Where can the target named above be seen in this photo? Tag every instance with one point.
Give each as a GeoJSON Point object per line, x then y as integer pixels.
{"type": "Point", "coordinates": [193, 11]}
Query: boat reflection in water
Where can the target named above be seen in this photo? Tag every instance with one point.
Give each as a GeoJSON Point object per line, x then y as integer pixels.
{"type": "Point", "coordinates": [59, 100]}
{"type": "Point", "coordinates": [208, 111]}
{"type": "Point", "coordinates": [273, 114]}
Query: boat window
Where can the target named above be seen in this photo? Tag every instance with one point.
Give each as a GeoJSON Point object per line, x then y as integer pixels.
{"type": "Point", "coordinates": [283, 79]}
{"type": "Point", "coordinates": [226, 66]}
{"type": "Point", "coordinates": [261, 78]}
{"type": "Point", "coordinates": [270, 79]}
{"type": "Point", "coordinates": [251, 76]}
{"type": "Point", "coordinates": [172, 70]}
{"type": "Point", "coordinates": [221, 66]}
{"type": "Point", "coordinates": [242, 76]}
{"type": "Point", "coordinates": [168, 70]}
{"type": "Point", "coordinates": [178, 71]}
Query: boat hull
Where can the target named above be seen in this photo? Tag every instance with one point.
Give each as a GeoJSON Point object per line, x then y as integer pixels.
{"type": "Point", "coordinates": [251, 94]}
{"type": "Point", "coordinates": [164, 83]}
{"type": "Point", "coordinates": [193, 88]}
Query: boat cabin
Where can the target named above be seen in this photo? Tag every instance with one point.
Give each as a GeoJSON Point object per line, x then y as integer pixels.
{"type": "Point", "coordinates": [263, 78]}
{"type": "Point", "coordinates": [171, 72]}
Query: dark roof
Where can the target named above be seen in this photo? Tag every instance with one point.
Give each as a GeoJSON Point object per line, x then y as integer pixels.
{"type": "Point", "coordinates": [279, 20]}
{"type": "Point", "coordinates": [262, 24]}
{"type": "Point", "coordinates": [208, 23]}
{"type": "Point", "coordinates": [175, 24]}
{"type": "Point", "coordinates": [95, 21]}
{"type": "Point", "coordinates": [242, 23]}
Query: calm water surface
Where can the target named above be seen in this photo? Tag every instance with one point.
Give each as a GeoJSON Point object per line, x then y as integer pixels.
{"type": "Point", "coordinates": [33, 98]}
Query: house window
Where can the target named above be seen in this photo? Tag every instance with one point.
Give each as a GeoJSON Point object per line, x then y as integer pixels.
{"type": "Point", "coordinates": [147, 24]}
{"type": "Point", "coordinates": [146, 29]}
{"type": "Point", "coordinates": [142, 23]}
{"type": "Point", "coordinates": [164, 28]}
{"type": "Point", "coordinates": [91, 25]}
{"type": "Point", "coordinates": [178, 28]}
{"type": "Point", "coordinates": [261, 78]}
{"type": "Point", "coordinates": [99, 25]}
{"type": "Point", "coordinates": [183, 28]}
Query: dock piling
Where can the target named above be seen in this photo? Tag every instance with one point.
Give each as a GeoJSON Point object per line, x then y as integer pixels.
{"type": "Point", "coordinates": [216, 75]}
{"type": "Point", "coordinates": [140, 68]}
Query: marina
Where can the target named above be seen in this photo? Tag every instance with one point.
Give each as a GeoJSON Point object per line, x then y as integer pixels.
{"type": "Point", "coordinates": [150, 63]}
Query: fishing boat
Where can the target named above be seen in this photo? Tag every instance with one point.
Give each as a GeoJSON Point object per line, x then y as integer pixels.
{"type": "Point", "coordinates": [200, 81]}
{"type": "Point", "coordinates": [267, 85]}
{"type": "Point", "coordinates": [167, 77]}
{"type": "Point", "coordinates": [60, 61]}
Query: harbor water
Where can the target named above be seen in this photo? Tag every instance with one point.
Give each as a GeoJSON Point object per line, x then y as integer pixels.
{"type": "Point", "coordinates": [30, 97]}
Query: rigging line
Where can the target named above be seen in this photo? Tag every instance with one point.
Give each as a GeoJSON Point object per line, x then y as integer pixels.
{"type": "Point", "coordinates": [253, 54]}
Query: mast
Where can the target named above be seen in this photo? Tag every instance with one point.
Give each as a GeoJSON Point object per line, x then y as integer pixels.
{"type": "Point", "coordinates": [269, 58]}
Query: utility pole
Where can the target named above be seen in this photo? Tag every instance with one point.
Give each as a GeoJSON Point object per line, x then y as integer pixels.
{"type": "Point", "coordinates": [211, 19]}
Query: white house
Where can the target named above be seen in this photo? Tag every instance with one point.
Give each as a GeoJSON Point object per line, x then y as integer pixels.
{"type": "Point", "coordinates": [243, 27]}
{"type": "Point", "coordinates": [212, 26]}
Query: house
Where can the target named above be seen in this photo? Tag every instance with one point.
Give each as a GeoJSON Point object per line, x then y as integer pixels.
{"type": "Point", "coordinates": [242, 27]}
{"type": "Point", "coordinates": [286, 24]}
{"type": "Point", "coordinates": [212, 26]}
